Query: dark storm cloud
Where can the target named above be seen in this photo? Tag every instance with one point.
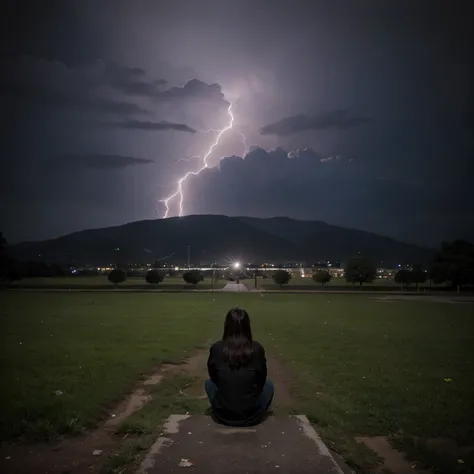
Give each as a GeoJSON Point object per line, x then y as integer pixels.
{"type": "Point", "coordinates": [195, 89]}
{"type": "Point", "coordinates": [31, 95]}
{"type": "Point", "coordinates": [153, 126]}
{"type": "Point", "coordinates": [335, 189]}
{"type": "Point", "coordinates": [123, 73]}
{"type": "Point", "coordinates": [132, 81]}
{"type": "Point", "coordinates": [96, 87]}
{"type": "Point", "coordinates": [404, 64]}
{"type": "Point", "coordinates": [32, 81]}
{"type": "Point", "coordinates": [96, 161]}
{"type": "Point", "coordinates": [336, 119]}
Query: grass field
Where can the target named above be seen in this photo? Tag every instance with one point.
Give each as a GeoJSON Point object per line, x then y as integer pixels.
{"type": "Point", "coordinates": [360, 366]}
{"type": "Point", "coordinates": [178, 283]}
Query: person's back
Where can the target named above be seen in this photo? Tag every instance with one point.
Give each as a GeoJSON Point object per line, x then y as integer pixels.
{"type": "Point", "coordinates": [238, 390]}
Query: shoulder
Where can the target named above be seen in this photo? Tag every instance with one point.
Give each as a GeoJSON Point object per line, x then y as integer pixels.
{"type": "Point", "coordinates": [258, 348]}
{"type": "Point", "coordinates": [216, 347]}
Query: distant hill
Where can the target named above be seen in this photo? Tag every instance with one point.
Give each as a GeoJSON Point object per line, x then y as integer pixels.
{"type": "Point", "coordinates": [218, 238]}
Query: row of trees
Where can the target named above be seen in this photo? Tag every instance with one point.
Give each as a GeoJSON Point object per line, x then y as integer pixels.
{"type": "Point", "coordinates": [453, 264]}
{"type": "Point", "coordinates": [155, 277]}
{"type": "Point", "coordinates": [192, 277]}
{"type": "Point", "coordinates": [416, 275]}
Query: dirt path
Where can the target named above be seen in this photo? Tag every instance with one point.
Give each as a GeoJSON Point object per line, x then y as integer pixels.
{"type": "Point", "coordinates": [393, 460]}
{"type": "Point", "coordinates": [283, 384]}
{"type": "Point", "coordinates": [86, 453]}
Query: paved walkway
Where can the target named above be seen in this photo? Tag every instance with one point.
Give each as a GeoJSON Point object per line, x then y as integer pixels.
{"type": "Point", "coordinates": [286, 445]}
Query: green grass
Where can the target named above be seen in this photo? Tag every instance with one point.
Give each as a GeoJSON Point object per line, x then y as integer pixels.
{"type": "Point", "coordinates": [102, 281]}
{"type": "Point", "coordinates": [177, 283]}
{"type": "Point", "coordinates": [360, 367]}
{"type": "Point", "coordinates": [91, 347]}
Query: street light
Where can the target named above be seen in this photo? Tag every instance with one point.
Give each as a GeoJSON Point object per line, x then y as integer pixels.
{"type": "Point", "coordinates": [236, 265]}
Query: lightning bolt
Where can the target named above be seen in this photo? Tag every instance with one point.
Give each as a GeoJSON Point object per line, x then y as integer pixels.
{"type": "Point", "coordinates": [179, 189]}
{"type": "Point", "coordinates": [244, 141]}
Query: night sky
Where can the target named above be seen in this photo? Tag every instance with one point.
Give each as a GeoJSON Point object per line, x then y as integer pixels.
{"type": "Point", "coordinates": [357, 113]}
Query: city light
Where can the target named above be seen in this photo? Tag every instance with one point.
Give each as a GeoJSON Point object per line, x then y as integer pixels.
{"type": "Point", "coordinates": [236, 265]}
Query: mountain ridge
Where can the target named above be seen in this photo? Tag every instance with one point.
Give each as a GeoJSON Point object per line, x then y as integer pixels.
{"type": "Point", "coordinates": [219, 238]}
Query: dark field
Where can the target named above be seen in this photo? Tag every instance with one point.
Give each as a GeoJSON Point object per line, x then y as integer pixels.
{"type": "Point", "coordinates": [360, 366]}
{"type": "Point", "coordinates": [177, 283]}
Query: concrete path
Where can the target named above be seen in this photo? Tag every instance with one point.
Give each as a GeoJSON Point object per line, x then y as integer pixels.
{"type": "Point", "coordinates": [286, 445]}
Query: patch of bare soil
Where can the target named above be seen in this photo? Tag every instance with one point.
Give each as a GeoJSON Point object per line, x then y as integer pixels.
{"type": "Point", "coordinates": [393, 460]}
{"type": "Point", "coordinates": [283, 384]}
{"type": "Point", "coordinates": [194, 367]}
{"type": "Point", "coordinates": [86, 453]}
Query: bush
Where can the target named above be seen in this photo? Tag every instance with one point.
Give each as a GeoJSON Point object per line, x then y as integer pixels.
{"type": "Point", "coordinates": [418, 276]}
{"type": "Point", "coordinates": [281, 277]}
{"type": "Point", "coordinates": [117, 276]}
{"type": "Point", "coordinates": [154, 277]}
{"type": "Point", "coordinates": [360, 270]}
{"type": "Point", "coordinates": [403, 277]}
{"type": "Point", "coordinates": [193, 277]}
{"type": "Point", "coordinates": [321, 277]}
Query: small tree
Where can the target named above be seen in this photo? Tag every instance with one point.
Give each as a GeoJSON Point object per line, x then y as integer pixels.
{"type": "Point", "coordinates": [281, 277]}
{"type": "Point", "coordinates": [154, 277]}
{"type": "Point", "coordinates": [403, 277]}
{"type": "Point", "coordinates": [117, 276]}
{"type": "Point", "coordinates": [193, 277]}
{"type": "Point", "coordinates": [10, 271]}
{"type": "Point", "coordinates": [360, 270]}
{"type": "Point", "coordinates": [322, 277]}
{"type": "Point", "coordinates": [14, 274]}
{"type": "Point", "coordinates": [454, 263]}
{"type": "Point", "coordinates": [418, 275]}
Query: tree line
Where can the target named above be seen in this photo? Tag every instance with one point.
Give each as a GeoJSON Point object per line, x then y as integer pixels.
{"type": "Point", "coordinates": [155, 276]}
{"type": "Point", "coordinates": [453, 264]}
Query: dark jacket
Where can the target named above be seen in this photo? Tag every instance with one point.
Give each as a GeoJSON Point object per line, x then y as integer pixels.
{"type": "Point", "coordinates": [238, 390]}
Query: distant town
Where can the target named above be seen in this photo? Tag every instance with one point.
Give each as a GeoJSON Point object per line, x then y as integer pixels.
{"type": "Point", "coordinates": [299, 269]}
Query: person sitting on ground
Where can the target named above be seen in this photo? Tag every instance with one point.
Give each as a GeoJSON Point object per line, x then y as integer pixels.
{"type": "Point", "coordinates": [238, 389]}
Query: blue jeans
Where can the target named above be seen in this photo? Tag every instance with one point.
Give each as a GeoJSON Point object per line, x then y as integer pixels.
{"type": "Point", "coordinates": [264, 401]}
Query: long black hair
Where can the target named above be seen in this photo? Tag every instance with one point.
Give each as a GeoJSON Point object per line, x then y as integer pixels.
{"type": "Point", "coordinates": [237, 338]}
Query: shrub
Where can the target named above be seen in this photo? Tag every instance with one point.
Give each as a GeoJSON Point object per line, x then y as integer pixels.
{"type": "Point", "coordinates": [322, 277]}
{"type": "Point", "coordinates": [281, 277]}
{"type": "Point", "coordinates": [117, 276]}
{"type": "Point", "coordinates": [193, 277]}
{"type": "Point", "coordinates": [154, 277]}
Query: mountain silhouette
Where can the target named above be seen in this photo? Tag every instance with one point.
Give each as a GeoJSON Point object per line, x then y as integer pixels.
{"type": "Point", "coordinates": [215, 238]}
